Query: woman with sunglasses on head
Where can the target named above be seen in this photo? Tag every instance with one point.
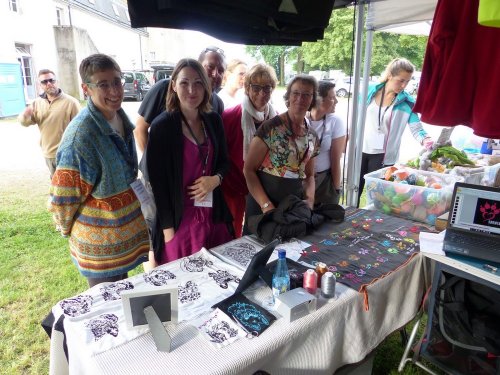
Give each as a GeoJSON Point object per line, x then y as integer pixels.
{"type": "Point", "coordinates": [389, 110]}
{"type": "Point", "coordinates": [91, 195]}
{"type": "Point", "coordinates": [280, 159]}
{"type": "Point", "coordinates": [240, 124]}
{"type": "Point", "coordinates": [331, 131]}
{"type": "Point", "coordinates": [187, 160]}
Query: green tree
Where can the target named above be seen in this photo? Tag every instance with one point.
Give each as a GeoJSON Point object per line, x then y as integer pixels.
{"type": "Point", "coordinates": [276, 56]}
{"type": "Point", "coordinates": [336, 49]}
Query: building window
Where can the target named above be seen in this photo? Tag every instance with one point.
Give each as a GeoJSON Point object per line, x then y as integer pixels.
{"type": "Point", "coordinates": [60, 16]}
{"type": "Point", "coordinates": [13, 5]}
{"type": "Point", "coordinates": [152, 55]}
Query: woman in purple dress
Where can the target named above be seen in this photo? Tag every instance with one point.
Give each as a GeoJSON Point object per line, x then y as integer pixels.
{"type": "Point", "coordinates": [187, 160]}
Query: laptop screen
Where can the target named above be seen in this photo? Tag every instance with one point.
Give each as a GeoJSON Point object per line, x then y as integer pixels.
{"type": "Point", "coordinates": [475, 208]}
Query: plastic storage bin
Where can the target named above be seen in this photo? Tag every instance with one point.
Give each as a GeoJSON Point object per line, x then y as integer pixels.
{"type": "Point", "coordinates": [414, 202]}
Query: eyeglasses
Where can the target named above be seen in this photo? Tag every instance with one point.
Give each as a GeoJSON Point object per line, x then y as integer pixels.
{"type": "Point", "coordinates": [50, 80]}
{"type": "Point", "coordinates": [214, 49]}
{"type": "Point", "coordinates": [298, 94]}
{"type": "Point", "coordinates": [257, 88]}
{"type": "Point", "coordinates": [106, 86]}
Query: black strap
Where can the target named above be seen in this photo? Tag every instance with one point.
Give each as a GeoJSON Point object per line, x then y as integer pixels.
{"type": "Point", "coordinates": [380, 107]}
{"type": "Point", "coordinates": [203, 158]}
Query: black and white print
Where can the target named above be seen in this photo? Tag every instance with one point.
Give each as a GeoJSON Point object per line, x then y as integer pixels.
{"type": "Point", "coordinates": [158, 277]}
{"type": "Point", "coordinates": [195, 264]}
{"type": "Point", "coordinates": [76, 306]}
{"type": "Point", "coordinates": [241, 253]}
{"type": "Point", "coordinates": [102, 325]}
{"type": "Point", "coordinates": [221, 332]}
{"type": "Point", "coordinates": [112, 291]}
{"type": "Point", "coordinates": [189, 292]}
{"type": "Point", "coordinates": [223, 278]}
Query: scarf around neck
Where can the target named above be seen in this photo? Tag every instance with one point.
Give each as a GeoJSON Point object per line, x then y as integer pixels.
{"type": "Point", "coordinates": [250, 115]}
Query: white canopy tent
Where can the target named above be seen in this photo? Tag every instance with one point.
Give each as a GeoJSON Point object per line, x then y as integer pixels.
{"type": "Point", "coordinates": [403, 16]}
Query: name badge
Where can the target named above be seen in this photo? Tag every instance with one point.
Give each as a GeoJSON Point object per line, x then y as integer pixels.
{"type": "Point", "coordinates": [378, 141]}
{"type": "Point", "coordinates": [145, 197]}
{"type": "Point", "coordinates": [207, 202]}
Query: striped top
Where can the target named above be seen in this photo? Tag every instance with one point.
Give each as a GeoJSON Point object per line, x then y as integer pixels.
{"type": "Point", "coordinates": [91, 198]}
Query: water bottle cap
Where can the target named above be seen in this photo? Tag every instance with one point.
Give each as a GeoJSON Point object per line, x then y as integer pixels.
{"type": "Point", "coordinates": [281, 253]}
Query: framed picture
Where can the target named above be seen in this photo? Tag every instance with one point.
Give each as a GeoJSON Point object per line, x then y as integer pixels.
{"type": "Point", "coordinates": [163, 300]}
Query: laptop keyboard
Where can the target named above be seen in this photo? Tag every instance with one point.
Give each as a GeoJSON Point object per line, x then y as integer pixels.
{"type": "Point", "coordinates": [459, 239]}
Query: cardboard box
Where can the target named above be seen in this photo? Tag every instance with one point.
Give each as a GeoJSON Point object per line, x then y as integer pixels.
{"type": "Point", "coordinates": [295, 304]}
{"type": "Point", "coordinates": [441, 222]}
{"type": "Point", "coordinates": [414, 202]}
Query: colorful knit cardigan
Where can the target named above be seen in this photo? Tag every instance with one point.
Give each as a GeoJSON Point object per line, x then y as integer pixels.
{"type": "Point", "coordinates": [91, 198]}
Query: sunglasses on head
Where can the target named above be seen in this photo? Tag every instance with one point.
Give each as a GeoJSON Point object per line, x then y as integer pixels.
{"type": "Point", "coordinates": [50, 80]}
{"type": "Point", "coordinates": [216, 50]}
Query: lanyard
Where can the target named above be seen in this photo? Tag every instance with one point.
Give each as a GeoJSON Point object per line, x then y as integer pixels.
{"type": "Point", "coordinates": [203, 158]}
{"type": "Point", "coordinates": [297, 150]}
{"type": "Point", "coordinates": [380, 119]}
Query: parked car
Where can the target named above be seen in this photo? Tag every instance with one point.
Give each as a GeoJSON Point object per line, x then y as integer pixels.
{"type": "Point", "coordinates": [162, 71]}
{"type": "Point", "coordinates": [136, 85]}
{"type": "Point", "coordinates": [343, 87]}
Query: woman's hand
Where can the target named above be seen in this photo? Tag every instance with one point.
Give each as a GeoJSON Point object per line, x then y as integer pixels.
{"type": "Point", "coordinates": [168, 234]}
{"type": "Point", "coordinates": [427, 143]}
{"type": "Point", "coordinates": [202, 186]}
{"type": "Point", "coordinates": [151, 263]}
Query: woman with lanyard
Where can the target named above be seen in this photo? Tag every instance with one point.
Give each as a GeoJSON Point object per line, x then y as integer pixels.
{"type": "Point", "coordinates": [331, 131]}
{"type": "Point", "coordinates": [389, 110]}
{"type": "Point", "coordinates": [187, 160]}
{"type": "Point", "coordinates": [280, 158]}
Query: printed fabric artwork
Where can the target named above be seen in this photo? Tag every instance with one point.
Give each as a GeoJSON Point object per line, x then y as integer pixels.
{"type": "Point", "coordinates": [252, 318]}
{"type": "Point", "coordinates": [238, 252]}
{"type": "Point", "coordinates": [219, 329]}
{"type": "Point", "coordinates": [94, 321]}
{"type": "Point", "coordinates": [366, 247]}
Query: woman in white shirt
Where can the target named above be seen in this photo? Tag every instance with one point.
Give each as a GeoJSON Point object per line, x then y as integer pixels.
{"type": "Point", "coordinates": [234, 80]}
{"type": "Point", "coordinates": [389, 111]}
{"type": "Point", "coordinates": [331, 132]}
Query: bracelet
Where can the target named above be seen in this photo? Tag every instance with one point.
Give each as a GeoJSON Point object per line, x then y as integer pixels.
{"type": "Point", "coordinates": [265, 205]}
{"type": "Point", "coordinates": [220, 178]}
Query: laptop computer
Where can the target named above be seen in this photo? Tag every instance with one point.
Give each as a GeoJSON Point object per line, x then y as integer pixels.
{"type": "Point", "coordinates": [474, 222]}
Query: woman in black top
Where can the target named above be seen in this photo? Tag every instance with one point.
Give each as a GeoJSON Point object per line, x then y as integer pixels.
{"type": "Point", "coordinates": [187, 160]}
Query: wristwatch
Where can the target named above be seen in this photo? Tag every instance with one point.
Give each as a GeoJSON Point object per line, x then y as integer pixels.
{"type": "Point", "coordinates": [265, 205]}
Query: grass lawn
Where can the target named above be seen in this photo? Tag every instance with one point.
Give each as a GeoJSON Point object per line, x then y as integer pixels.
{"type": "Point", "coordinates": [36, 272]}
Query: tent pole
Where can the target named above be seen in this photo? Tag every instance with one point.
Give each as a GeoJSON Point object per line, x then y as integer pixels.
{"type": "Point", "coordinates": [352, 175]}
{"type": "Point", "coordinates": [362, 111]}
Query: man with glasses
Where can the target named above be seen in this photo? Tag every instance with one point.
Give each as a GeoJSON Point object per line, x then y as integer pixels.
{"type": "Point", "coordinates": [213, 61]}
{"type": "Point", "coordinates": [51, 111]}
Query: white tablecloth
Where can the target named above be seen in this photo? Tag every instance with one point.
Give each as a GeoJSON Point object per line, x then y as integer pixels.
{"type": "Point", "coordinates": [340, 332]}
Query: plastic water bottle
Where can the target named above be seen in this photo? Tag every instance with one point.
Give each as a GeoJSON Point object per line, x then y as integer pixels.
{"type": "Point", "coordinates": [281, 278]}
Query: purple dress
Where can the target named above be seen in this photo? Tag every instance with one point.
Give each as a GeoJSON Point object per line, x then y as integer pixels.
{"type": "Point", "coordinates": [197, 228]}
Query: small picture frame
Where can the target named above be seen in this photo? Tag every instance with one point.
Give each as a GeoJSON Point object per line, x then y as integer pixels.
{"type": "Point", "coordinates": [163, 300]}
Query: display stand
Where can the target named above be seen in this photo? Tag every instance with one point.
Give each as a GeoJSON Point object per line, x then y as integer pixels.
{"type": "Point", "coordinates": [151, 308]}
{"type": "Point", "coordinates": [160, 335]}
